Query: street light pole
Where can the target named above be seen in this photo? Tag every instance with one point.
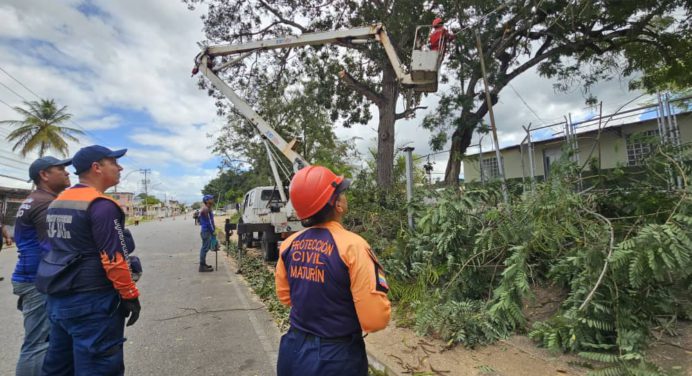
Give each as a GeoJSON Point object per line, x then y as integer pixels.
{"type": "Point", "coordinates": [146, 171]}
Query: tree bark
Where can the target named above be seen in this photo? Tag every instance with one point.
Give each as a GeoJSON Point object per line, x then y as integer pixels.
{"type": "Point", "coordinates": [385, 128]}
{"type": "Point", "coordinates": [461, 139]}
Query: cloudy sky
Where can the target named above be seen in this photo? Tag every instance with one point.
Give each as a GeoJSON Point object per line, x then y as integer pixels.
{"type": "Point", "coordinates": [123, 70]}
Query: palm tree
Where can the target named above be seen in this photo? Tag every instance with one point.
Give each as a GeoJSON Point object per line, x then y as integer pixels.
{"type": "Point", "coordinates": [40, 130]}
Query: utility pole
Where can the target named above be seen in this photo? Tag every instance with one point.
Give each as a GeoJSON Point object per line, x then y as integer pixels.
{"type": "Point", "coordinates": [146, 171]}
{"type": "Point", "coordinates": [498, 155]}
{"type": "Point", "coordinates": [409, 182]}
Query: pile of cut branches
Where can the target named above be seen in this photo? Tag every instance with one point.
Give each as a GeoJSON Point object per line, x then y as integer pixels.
{"type": "Point", "coordinates": [620, 251]}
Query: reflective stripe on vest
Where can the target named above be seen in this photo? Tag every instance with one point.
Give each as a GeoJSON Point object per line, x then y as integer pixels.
{"type": "Point", "coordinates": [69, 231]}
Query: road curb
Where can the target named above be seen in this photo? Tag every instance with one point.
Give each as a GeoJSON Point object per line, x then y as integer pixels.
{"type": "Point", "coordinates": [379, 365]}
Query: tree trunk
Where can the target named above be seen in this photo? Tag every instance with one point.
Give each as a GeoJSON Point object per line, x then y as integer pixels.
{"type": "Point", "coordinates": [461, 139]}
{"type": "Point", "coordinates": [385, 129]}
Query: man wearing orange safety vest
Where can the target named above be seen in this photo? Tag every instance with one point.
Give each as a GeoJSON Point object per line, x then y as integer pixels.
{"type": "Point", "coordinates": [439, 35]}
{"type": "Point", "coordinates": [331, 279]}
{"type": "Point", "coordinates": [86, 274]}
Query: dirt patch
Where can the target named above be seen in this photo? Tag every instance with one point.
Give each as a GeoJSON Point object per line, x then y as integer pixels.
{"type": "Point", "coordinates": [546, 303]}
{"type": "Point", "coordinates": [674, 353]}
{"type": "Point", "coordinates": [406, 353]}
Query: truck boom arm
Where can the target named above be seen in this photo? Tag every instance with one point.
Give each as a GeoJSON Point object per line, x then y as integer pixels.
{"type": "Point", "coordinates": [355, 35]}
{"type": "Point", "coordinates": [204, 63]}
{"type": "Point", "coordinates": [244, 109]}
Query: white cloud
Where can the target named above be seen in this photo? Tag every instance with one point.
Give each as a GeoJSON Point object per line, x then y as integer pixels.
{"type": "Point", "coordinates": [136, 56]}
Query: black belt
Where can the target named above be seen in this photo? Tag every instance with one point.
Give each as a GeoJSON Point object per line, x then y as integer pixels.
{"type": "Point", "coordinates": [312, 337]}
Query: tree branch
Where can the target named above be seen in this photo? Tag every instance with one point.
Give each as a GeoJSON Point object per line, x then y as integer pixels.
{"type": "Point", "coordinates": [250, 34]}
{"type": "Point", "coordinates": [408, 112]}
{"type": "Point", "coordinates": [361, 89]}
{"type": "Point", "coordinates": [282, 19]}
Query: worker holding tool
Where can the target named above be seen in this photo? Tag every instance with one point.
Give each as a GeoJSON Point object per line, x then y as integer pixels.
{"type": "Point", "coordinates": [440, 36]}
{"type": "Point", "coordinates": [332, 281]}
{"type": "Point", "coordinates": [86, 273]}
{"type": "Point", "coordinates": [207, 232]}
{"type": "Point", "coordinates": [31, 234]}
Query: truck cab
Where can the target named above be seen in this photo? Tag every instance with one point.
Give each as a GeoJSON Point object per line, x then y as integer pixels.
{"type": "Point", "coordinates": [267, 219]}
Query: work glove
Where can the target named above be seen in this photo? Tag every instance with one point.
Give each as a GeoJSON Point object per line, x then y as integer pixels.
{"type": "Point", "coordinates": [131, 308]}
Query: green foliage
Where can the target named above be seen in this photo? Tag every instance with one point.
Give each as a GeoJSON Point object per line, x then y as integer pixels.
{"type": "Point", "coordinates": [621, 252]}
{"type": "Point", "coordinates": [148, 200]}
{"type": "Point", "coordinates": [41, 128]}
{"type": "Point", "coordinates": [230, 185]}
{"type": "Point", "coordinates": [467, 322]}
{"type": "Point", "coordinates": [261, 280]}
{"type": "Point", "coordinates": [575, 43]}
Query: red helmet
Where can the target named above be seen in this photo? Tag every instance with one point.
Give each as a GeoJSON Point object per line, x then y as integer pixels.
{"type": "Point", "coordinates": [311, 189]}
{"type": "Point", "coordinates": [437, 21]}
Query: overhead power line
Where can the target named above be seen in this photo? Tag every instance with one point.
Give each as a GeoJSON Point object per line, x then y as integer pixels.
{"type": "Point", "coordinates": [13, 177]}
{"type": "Point", "coordinates": [5, 103]}
{"type": "Point", "coordinates": [13, 92]}
{"type": "Point", "coordinates": [39, 97]}
{"type": "Point", "coordinates": [25, 163]}
{"type": "Point", "coordinates": [20, 83]}
{"type": "Point", "coordinates": [526, 104]}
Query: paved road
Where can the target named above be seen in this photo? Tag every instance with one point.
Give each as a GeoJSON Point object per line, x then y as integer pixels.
{"type": "Point", "coordinates": [191, 324]}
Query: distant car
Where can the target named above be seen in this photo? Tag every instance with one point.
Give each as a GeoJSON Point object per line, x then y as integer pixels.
{"type": "Point", "coordinates": [220, 212]}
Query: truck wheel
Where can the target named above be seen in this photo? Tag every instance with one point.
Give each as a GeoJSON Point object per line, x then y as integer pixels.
{"type": "Point", "coordinates": [248, 239]}
{"type": "Point", "coordinates": [269, 247]}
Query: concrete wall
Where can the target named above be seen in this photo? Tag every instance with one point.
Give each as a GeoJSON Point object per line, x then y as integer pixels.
{"type": "Point", "coordinates": [611, 151]}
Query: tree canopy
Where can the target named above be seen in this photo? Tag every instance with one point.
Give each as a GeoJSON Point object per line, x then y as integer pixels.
{"type": "Point", "coordinates": [41, 128]}
{"type": "Point", "coordinates": [148, 199]}
{"type": "Point", "coordinates": [574, 42]}
{"type": "Point", "coordinates": [366, 78]}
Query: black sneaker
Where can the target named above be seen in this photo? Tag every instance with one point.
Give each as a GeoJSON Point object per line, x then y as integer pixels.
{"type": "Point", "coordinates": [205, 268]}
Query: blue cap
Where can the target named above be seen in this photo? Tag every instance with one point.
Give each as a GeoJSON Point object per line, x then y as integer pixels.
{"type": "Point", "coordinates": [45, 163]}
{"type": "Point", "coordinates": [86, 156]}
{"type": "Point", "coordinates": [206, 198]}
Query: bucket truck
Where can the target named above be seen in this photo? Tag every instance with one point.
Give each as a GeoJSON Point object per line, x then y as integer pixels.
{"type": "Point", "coordinates": [267, 211]}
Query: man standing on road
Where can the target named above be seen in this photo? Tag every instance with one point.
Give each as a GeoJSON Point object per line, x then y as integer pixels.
{"type": "Point", "coordinates": [207, 231]}
{"type": "Point", "coordinates": [331, 279]}
{"type": "Point", "coordinates": [86, 273]}
{"type": "Point", "coordinates": [31, 235]}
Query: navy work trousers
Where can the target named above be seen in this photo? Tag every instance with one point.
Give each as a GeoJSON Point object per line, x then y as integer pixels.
{"type": "Point", "coordinates": [86, 336]}
{"type": "Point", "coordinates": [302, 354]}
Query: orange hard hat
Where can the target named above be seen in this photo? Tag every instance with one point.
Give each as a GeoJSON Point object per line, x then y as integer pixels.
{"type": "Point", "coordinates": [437, 21]}
{"type": "Point", "coordinates": [313, 187]}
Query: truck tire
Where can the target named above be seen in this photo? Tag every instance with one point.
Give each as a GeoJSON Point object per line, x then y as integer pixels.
{"type": "Point", "coordinates": [247, 239]}
{"type": "Point", "coordinates": [269, 246]}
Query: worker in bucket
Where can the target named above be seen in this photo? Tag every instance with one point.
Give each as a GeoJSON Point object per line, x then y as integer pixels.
{"type": "Point", "coordinates": [440, 36]}
{"type": "Point", "coordinates": [207, 232]}
{"type": "Point", "coordinates": [332, 281]}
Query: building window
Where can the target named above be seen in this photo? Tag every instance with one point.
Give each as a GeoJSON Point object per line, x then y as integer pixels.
{"type": "Point", "coordinates": [489, 168]}
{"type": "Point", "coordinates": [640, 145]}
